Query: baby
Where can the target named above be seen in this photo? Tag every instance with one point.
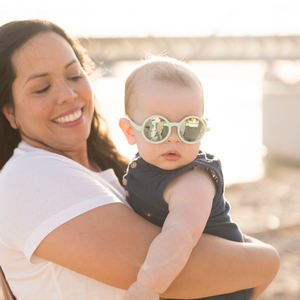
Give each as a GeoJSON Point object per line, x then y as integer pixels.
{"type": "Point", "coordinates": [165, 180]}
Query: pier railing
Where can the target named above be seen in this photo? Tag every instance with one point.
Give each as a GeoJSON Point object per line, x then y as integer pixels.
{"type": "Point", "coordinates": [195, 48]}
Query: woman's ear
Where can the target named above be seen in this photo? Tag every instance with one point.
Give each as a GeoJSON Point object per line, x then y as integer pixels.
{"type": "Point", "coordinates": [8, 112]}
{"type": "Point", "coordinates": [127, 130]}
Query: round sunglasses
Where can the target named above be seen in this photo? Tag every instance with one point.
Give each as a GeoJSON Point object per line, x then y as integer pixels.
{"type": "Point", "coordinates": [156, 129]}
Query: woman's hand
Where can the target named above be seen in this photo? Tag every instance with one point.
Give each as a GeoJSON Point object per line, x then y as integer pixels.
{"type": "Point", "coordinates": [250, 239]}
{"type": "Point", "coordinates": [259, 289]}
{"type": "Point", "coordinates": [138, 292]}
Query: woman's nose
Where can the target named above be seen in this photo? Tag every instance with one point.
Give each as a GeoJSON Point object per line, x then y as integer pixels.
{"type": "Point", "coordinates": [173, 138]}
{"type": "Point", "coordinates": [66, 93]}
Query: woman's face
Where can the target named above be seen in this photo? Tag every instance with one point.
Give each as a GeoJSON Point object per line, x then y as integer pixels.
{"type": "Point", "coordinates": [52, 94]}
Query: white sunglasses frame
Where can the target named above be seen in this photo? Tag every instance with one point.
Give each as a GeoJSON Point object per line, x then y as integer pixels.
{"type": "Point", "coordinates": [170, 125]}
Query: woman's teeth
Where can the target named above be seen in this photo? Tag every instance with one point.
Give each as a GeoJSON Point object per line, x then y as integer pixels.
{"type": "Point", "coordinates": [70, 118]}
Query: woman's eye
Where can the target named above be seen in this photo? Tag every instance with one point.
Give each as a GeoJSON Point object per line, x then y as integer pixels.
{"type": "Point", "coordinates": [44, 90]}
{"type": "Point", "coordinates": [76, 78]}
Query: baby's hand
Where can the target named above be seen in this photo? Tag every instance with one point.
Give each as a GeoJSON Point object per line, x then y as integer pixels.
{"type": "Point", "coordinates": [137, 292]}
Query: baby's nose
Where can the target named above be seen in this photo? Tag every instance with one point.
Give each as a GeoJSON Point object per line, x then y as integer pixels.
{"type": "Point", "coordinates": [173, 138]}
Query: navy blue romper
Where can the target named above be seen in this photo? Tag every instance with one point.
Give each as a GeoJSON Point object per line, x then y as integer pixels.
{"type": "Point", "coordinates": [144, 184]}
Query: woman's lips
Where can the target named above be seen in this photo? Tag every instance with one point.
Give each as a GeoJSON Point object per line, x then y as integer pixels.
{"type": "Point", "coordinates": [171, 155]}
{"type": "Point", "coordinates": [70, 120]}
{"type": "Point", "coordinates": [70, 116]}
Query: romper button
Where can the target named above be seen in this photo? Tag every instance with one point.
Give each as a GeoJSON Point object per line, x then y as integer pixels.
{"type": "Point", "coordinates": [126, 193]}
{"type": "Point", "coordinates": [124, 181]}
{"type": "Point", "coordinates": [133, 165]}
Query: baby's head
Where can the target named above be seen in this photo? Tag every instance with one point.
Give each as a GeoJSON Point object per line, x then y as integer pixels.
{"type": "Point", "coordinates": [166, 87]}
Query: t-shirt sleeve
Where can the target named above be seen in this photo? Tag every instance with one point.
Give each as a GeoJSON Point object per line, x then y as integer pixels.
{"type": "Point", "coordinates": [40, 193]}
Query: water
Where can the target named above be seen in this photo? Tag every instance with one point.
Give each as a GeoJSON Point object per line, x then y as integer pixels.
{"type": "Point", "coordinates": [233, 104]}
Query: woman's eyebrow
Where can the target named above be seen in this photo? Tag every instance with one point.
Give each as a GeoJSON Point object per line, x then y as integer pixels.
{"type": "Point", "coordinates": [71, 63]}
{"type": "Point", "coordinates": [33, 76]}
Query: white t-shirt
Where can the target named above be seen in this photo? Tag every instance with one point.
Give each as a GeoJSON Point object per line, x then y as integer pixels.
{"type": "Point", "coordinates": [39, 191]}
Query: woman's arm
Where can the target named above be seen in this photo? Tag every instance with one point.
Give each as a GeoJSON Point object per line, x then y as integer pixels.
{"type": "Point", "coordinates": [227, 266]}
{"type": "Point", "coordinates": [110, 243]}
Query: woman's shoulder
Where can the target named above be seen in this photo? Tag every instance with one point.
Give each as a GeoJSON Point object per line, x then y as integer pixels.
{"type": "Point", "coordinates": [32, 172]}
{"type": "Point", "coordinates": [30, 160]}
{"type": "Point", "coordinates": [40, 191]}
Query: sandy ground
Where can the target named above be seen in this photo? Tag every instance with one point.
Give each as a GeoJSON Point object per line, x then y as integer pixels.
{"type": "Point", "coordinates": [269, 210]}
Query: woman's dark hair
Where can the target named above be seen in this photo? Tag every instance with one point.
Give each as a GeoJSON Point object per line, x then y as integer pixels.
{"type": "Point", "coordinates": [13, 36]}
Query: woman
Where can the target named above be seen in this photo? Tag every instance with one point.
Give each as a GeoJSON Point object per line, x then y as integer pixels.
{"type": "Point", "coordinates": [64, 231]}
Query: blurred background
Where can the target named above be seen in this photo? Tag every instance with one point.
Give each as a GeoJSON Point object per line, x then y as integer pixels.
{"type": "Point", "coordinates": [247, 55]}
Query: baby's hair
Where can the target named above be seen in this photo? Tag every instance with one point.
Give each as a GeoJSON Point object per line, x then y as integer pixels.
{"type": "Point", "coordinates": [165, 69]}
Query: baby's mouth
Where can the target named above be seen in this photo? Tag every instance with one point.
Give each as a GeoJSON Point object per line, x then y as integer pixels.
{"type": "Point", "coordinates": [172, 152]}
{"type": "Point", "coordinates": [171, 155]}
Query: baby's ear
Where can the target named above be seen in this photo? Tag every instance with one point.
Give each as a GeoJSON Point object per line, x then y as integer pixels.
{"type": "Point", "coordinates": [127, 130]}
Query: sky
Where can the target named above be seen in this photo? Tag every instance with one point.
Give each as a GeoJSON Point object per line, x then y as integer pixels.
{"type": "Point", "coordinates": [119, 18]}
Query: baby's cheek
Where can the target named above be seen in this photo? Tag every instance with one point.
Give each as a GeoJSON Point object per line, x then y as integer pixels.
{"type": "Point", "coordinates": [149, 154]}
{"type": "Point", "coordinates": [192, 153]}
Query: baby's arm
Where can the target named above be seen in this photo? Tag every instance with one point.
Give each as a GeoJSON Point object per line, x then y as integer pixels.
{"type": "Point", "coordinates": [170, 250]}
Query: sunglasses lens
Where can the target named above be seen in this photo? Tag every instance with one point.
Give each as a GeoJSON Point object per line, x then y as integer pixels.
{"type": "Point", "coordinates": [156, 129]}
{"type": "Point", "coordinates": [192, 129]}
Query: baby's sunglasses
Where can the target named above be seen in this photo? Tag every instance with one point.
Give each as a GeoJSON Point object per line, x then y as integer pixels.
{"type": "Point", "coordinates": [156, 129]}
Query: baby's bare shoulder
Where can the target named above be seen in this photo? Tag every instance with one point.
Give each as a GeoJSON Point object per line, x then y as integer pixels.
{"type": "Point", "coordinates": [195, 181]}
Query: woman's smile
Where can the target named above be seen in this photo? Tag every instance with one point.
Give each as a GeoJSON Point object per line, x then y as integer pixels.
{"type": "Point", "coordinates": [67, 118]}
